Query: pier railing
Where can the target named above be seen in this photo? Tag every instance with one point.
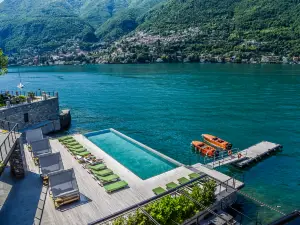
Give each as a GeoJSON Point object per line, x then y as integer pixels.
{"type": "Point", "coordinates": [222, 157]}
{"type": "Point", "coordinates": [179, 190]}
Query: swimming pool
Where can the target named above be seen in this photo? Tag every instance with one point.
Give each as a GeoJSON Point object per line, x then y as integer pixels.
{"type": "Point", "coordinates": [131, 154]}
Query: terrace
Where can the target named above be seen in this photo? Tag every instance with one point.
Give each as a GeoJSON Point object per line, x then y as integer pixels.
{"type": "Point", "coordinates": [95, 203]}
{"type": "Point", "coordinates": [11, 99]}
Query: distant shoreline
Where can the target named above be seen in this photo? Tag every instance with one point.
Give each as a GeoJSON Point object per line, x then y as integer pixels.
{"type": "Point", "coordinates": [114, 63]}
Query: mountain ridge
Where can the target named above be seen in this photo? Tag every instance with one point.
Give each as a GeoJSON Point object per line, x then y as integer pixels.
{"type": "Point", "coordinates": [228, 27]}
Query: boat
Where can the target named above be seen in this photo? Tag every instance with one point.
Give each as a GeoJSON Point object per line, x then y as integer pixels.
{"type": "Point", "coordinates": [217, 142]}
{"type": "Point", "coordinates": [20, 85]}
{"type": "Point", "coordinates": [204, 148]}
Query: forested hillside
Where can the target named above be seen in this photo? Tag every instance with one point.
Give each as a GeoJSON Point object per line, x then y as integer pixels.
{"type": "Point", "coordinates": [243, 28]}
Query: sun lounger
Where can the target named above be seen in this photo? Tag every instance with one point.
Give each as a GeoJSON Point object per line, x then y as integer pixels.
{"type": "Point", "coordinates": [158, 190]}
{"type": "Point", "coordinates": [78, 150]}
{"type": "Point", "coordinates": [115, 186]}
{"type": "Point", "coordinates": [102, 173]}
{"type": "Point", "coordinates": [194, 176]}
{"type": "Point", "coordinates": [65, 138]}
{"type": "Point", "coordinates": [75, 144]}
{"type": "Point", "coordinates": [107, 179]}
{"type": "Point", "coordinates": [70, 143]}
{"type": "Point", "coordinates": [183, 180]}
{"type": "Point", "coordinates": [63, 187]}
{"type": "Point", "coordinates": [93, 161]}
{"type": "Point", "coordinates": [80, 159]}
{"type": "Point", "coordinates": [171, 185]}
{"type": "Point", "coordinates": [84, 154]}
{"type": "Point", "coordinates": [76, 147]}
{"type": "Point", "coordinates": [97, 167]}
{"type": "Point", "coordinates": [34, 135]}
{"type": "Point", "coordinates": [70, 140]}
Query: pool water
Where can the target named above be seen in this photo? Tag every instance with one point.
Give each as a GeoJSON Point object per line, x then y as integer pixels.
{"type": "Point", "coordinates": [140, 161]}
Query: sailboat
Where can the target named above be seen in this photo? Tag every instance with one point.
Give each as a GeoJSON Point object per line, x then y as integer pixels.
{"type": "Point", "coordinates": [20, 85]}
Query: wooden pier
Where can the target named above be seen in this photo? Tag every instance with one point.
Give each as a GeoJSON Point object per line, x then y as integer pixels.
{"type": "Point", "coordinates": [247, 156]}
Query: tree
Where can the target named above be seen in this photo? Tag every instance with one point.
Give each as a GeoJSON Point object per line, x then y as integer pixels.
{"type": "Point", "coordinates": [3, 63]}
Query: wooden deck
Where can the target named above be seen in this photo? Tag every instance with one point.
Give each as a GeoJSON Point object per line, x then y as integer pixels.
{"type": "Point", "coordinates": [218, 176]}
{"type": "Point", "coordinates": [96, 203]}
{"type": "Point", "coordinates": [247, 156]}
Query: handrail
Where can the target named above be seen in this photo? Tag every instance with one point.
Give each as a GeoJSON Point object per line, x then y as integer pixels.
{"type": "Point", "coordinates": [25, 93]}
{"type": "Point", "coordinates": [8, 142]}
{"type": "Point", "coordinates": [143, 203]}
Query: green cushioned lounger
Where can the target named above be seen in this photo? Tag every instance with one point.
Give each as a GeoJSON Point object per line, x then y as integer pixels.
{"type": "Point", "coordinates": [86, 153]}
{"type": "Point", "coordinates": [107, 179]}
{"type": "Point", "coordinates": [73, 144]}
{"type": "Point", "coordinates": [76, 147]}
{"type": "Point", "coordinates": [102, 173]}
{"type": "Point", "coordinates": [183, 180]}
{"type": "Point", "coordinates": [65, 138]}
{"type": "Point", "coordinates": [97, 167]}
{"type": "Point", "coordinates": [68, 141]}
{"type": "Point", "coordinates": [77, 150]}
{"type": "Point", "coordinates": [115, 186]}
{"type": "Point", "coordinates": [158, 190]}
{"type": "Point", "coordinates": [194, 175]}
{"type": "Point", "coordinates": [171, 185]}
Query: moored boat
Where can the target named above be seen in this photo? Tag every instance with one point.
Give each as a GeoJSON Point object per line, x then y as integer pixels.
{"type": "Point", "coordinates": [204, 148]}
{"type": "Point", "coordinates": [217, 142]}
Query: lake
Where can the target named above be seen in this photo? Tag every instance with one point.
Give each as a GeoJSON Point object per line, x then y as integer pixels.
{"type": "Point", "coordinates": [166, 106]}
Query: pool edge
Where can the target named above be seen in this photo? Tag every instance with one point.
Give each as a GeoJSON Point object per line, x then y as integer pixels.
{"type": "Point", "coordinates": [167, 158]}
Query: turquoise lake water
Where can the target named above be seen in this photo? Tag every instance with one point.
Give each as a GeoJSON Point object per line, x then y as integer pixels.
{"type": "Point", "coordinates": [167, 106]}
{"type": "Point", "coordinates": [140, 161]}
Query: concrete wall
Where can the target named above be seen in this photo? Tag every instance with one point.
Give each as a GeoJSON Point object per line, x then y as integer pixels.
{"type": "Point", "coordinates": [38, 112]}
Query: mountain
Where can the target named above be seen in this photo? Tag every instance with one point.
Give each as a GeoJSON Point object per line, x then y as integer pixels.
{"type": "Point", "coordinates": [45, 24]}
{"type": "Point", "coordinates": [126, 20]}
{"type": "Point", "coordinates": [245, 25]}
{"type": "Point", "coordinates": [229, 27]}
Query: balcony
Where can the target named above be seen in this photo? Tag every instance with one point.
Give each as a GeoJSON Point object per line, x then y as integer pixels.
{"type": "Point", "coordinates": [10, 99]}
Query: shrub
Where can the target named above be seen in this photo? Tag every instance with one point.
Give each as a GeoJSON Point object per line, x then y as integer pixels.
{"type": "Point", "coordinates": [31, 95]}
{"type": "Point", "coordinates": [169, 209]}
{"type": "Point", "coordinates": [22, 98]}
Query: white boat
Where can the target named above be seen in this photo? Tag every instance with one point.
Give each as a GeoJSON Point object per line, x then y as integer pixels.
{"type": "Point", "coordinates": [20, 85]}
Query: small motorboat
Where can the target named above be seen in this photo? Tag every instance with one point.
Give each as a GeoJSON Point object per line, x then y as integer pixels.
{"type": "Point", "coordinates": [204, 148]}
{"type": "Point", "coordinates": [217, 142]}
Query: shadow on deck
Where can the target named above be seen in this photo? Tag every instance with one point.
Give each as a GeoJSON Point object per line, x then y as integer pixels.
{"type": "Point", "coordinates": [19, 199]}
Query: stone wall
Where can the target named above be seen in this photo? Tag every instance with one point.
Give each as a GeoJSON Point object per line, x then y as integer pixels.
{"type": "Point", "coordinates": [38, 112]}
{"type": "Point", "coordinates": [16, 161]}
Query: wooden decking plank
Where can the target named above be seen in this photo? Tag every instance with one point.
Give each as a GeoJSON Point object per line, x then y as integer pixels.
{"type": "Point", "coordinates": [101, 204]}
